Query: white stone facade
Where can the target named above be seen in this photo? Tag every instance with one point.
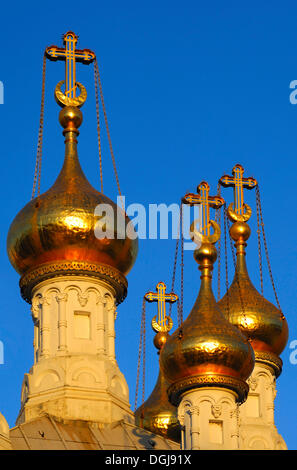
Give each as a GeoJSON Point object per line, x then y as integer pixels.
{"type": "Point", "coordinates": [75, 374]}
{"type": "Point", "coordinates": [210, 419]}
{"type": "Point", "coordinates": [257, 428]}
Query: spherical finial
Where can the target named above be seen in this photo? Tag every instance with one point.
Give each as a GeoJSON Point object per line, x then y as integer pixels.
{"type": "Point", "coordinates": [70, 117]}
{"type": "Point", "coordinates": [240, 231]}
{"type": "Point", "coordinates": [206, 254]}
{"type": "Point", "coordinates": [160, 339]}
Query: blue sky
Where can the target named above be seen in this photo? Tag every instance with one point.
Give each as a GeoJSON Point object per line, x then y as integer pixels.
{"type": "Point", "coordinates": [191, 88]}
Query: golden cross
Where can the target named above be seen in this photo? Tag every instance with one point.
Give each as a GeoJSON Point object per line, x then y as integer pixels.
{"type": "Point", "coordinates": [70, 55]}
{"type": "Point", "coordinates": [202, 197]}
{"type": "Point", "coordinates": [238, 183]}
{"type": "Point", "coordinates": [163, 323]}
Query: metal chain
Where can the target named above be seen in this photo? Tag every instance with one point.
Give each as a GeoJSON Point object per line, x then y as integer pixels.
{"type": "Point", "coordinates": [226, 259]}
{"type": "Point", "coordinates": [139, 352]}
{"type": "Point", "coordinates": [218, 220]}
{"type": "Point", "coordinates": [37, 171]}
{"type": "Point", "coordinates": [98, 127]}
{"type": "Point", "coordinates": [259, 242]}
{"type": "Point", "coordinates": [143, 356]}
{"type": "Point", "coordinates": [181, 303]}
{"type": "Point", "coordinates": [266, 251]}
{"type": "Point", "coordinates": [175, 261]}
{"type": "Point", "coordinates": [107, 131]}
{"type": "Point", "coordinates": [236, 274]}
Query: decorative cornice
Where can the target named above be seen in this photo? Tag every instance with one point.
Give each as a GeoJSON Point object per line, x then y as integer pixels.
{"type": "Point", "coordinates": [271, 360]}
{"type": "Point", "coordinates": [240, 387]}
{"type": "Point", "coordinates": [73, 268]}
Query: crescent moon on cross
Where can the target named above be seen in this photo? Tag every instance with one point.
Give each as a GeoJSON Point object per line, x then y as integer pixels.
{"type": "Point", "coordinates": [156, 327]}
{"type": "Point", "coordinates": [239, 217]}
{"type": "Point", "coordinates": [64, 100]}
{"type": "Point", "coordinates": [199, 238]}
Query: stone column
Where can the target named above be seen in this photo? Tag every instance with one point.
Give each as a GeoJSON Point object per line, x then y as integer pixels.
{"type": "Point", "coordinates": [44, 327]}
{"type": "Point", "coordinates": [195, 431]}
{"type": "Point", "coordinates": [62, 321]}
{"type": "Point", "coordinates": [100, 327]}
{"type": "Point", "coordinates": [111, 331]}
{"type": "Point", "coordinates": [35, 310]}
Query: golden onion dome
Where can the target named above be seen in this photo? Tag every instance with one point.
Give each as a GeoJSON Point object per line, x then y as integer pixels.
{"type": "Point", "coordinates": [261, 322]}
{"type": "Point", "coordinates": [157, 414]}
{"type": "Point", "coordinates": [207, 350]}
{"type": "Point", "coordinates": [55, 232]}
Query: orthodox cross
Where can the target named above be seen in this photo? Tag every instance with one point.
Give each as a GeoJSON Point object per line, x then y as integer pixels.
{"type": "Point", "coordinates": [240, 211]}
{"type": "Point", "coordinates": [70, 55]}
{"type": "Point", "coordinates": [163, 323]}
{"type": "Point", "coordinates": [202, 197]}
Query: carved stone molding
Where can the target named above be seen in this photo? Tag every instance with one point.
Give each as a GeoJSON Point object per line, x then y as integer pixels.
{"type": "Point", "coordinates": [271, 360]}
{"type": "Point", "coordinates": [237, 385]}
{"type": "Point", "coordinates": [73, 268]}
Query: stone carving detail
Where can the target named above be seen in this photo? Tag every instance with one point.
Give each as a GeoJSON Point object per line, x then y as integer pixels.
{"type": "Point", "coordinates": [253, 383]}
{"type": "Point", "coordinates": [194, 410]}
{"type": "Point", "coordinates": [216, 410]}
{"type": "Point", "coordinates": [35, 310]}
{"type": "Point", "coordinates": [181, 419]}
{"type": "Point", "coordinates": [62, 297]}
{"type": "Point", "coordinates": [83, 299]}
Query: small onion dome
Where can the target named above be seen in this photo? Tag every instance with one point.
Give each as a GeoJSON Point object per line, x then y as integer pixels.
{"type": "Point", "coordinates": [256, 317]}
{"type": "Point", "coordinates": [206, 350]}
{"type": "Point", "coordinates": [55, 232]}
{"type": "Point", "coordinates": [157, 414]}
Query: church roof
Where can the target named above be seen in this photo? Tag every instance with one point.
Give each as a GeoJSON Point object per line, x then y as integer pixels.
{"type": "Point", "coordinates": [49, 433]}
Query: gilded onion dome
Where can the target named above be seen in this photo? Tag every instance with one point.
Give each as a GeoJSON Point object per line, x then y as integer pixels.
{"type": "Point", "coordinates": [157, 414]}
{"type": "Point", "coordinates": [261, 322]}
{"type": "Point", "coordinates": [207, 350]}
{"type": "Point", "coordinates": [54, 233]}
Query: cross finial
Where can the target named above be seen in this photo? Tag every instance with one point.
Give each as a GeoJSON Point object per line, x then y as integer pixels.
{"type": "Point", "coordinates": [70, 55]}
{"type": "Point", "coordinates": [239, 211]}
{"type": "Point", "coordinates": [202, 198]}
{"type": "Point", "coordinates": [163, 323]}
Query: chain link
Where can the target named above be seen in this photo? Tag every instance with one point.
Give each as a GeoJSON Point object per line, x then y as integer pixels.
{"type": "Point", "coordinates": [98, 127]}
{"type": "Point", "coordinates": [226, 259]}
{"type": "Point", "coordinates": [107, 130]}
{"type": "Point", "coordinates": [236, 275]}
{"type": "Point", "coordinates": [143, 357]}
{"type": "Point", "coordinates": [218, 220]}
{"type": "Point", "coordinates": [181, 303]}
{"type": "Point", "coordinates": [139, 352]}
{"type": "Point", "coordinates": [259, 242]}
{"type": "Point", "coordinates": [266, 250]}
{"type": "Point", "coordinates": [37, 171]}
{"type": "Point", "coordinates": [175, 261]}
